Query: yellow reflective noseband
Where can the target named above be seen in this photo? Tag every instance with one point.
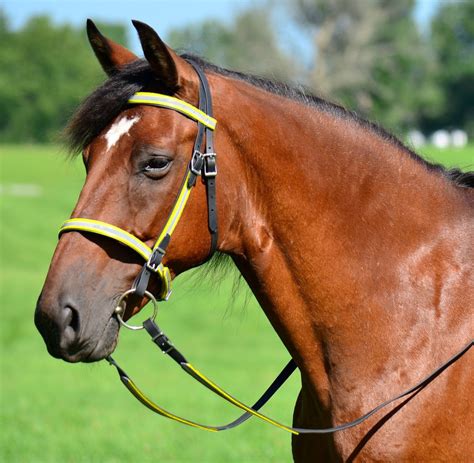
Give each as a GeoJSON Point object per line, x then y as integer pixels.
{"type": "Point", "coordinates": [116, 233]}
{"type": "Point", "coordinates": [111, 231]}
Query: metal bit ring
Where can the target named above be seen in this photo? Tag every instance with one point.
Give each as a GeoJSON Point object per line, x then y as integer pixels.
{"type": "Point", "coordinates": [119, 310]}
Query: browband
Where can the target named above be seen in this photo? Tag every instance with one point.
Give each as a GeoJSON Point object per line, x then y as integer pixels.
{"type": "Point", "coordinates": [170, 102]}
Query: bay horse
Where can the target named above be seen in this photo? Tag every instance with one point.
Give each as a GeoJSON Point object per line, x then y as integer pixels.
{"type": "Point", "coordinates": [359, 251]}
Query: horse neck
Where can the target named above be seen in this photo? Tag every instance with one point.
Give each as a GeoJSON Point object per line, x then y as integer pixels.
{"type": "Point", "coordinates": [322, 214]}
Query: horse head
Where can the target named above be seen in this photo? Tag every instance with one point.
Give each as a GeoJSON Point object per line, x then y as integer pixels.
{"type": "Point", "coordinates": [135, 156]}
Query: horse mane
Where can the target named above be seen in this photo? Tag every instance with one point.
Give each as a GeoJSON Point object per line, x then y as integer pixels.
{"type": "Point", "coordinates": [105, 103]}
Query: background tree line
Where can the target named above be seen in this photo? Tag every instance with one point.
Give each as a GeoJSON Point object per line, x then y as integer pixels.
{"type": "Point", "coordinates": [369, 56]}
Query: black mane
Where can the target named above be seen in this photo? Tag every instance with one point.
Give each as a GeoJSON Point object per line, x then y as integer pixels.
{"type": "Point", "coordinates": [103, 105]}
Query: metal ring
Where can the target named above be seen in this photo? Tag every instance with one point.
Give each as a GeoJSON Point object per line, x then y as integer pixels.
{"type": "Point", "coordinates": [121, 308]}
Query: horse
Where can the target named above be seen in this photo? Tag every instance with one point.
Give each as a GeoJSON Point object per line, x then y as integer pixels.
{"type": "Point", "coordinates": [359, 251]}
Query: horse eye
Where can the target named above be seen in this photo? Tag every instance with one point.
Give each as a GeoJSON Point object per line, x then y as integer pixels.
{"type": "Point", "coordinates": [156, 167]}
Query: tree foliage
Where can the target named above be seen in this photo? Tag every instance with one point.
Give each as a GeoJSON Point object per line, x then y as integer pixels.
{"type": "Point", "coordinates": [452, 37]}
{"type": "Point", "coordinates": [45, 71]}
{"type": "Point", "coordinates": [248, 44]}
{"type": "Point", "coordinates": [370, 56]}
{"type": "Point", "coordinates": [367, 54]}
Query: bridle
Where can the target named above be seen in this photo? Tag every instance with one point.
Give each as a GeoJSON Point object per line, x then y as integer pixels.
{"type": "Point", "coordinates": [202, 163]}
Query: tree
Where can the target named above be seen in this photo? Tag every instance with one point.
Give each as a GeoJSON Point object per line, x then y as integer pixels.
{"type": "Point", "coordinates": [452, 38]}
{"type": "Point", "coordinates": [248, 44]}
{"type": "Point", "coordinates": [370, 56]}
{"type": "Point", "coordinates": [45, 71]}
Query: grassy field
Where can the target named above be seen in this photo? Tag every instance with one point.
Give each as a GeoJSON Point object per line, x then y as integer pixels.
{"type": "Point", "coordinates": [55, 412]}
{"type": "Point", "coordinates": [453, 157]}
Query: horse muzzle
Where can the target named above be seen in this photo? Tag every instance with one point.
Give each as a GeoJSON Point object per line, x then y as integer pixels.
{"type": "Point", "coordinates": [68, 335]}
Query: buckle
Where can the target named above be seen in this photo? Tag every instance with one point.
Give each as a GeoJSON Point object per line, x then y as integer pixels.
{"type": "Point", "coordinates": [197, 160]}
{"type": "Point", "coordinates": [163, 342]}
{"type": "Point", "coordinates": [210, 166]}
{"type": "Point", "coordinates": [152, 267]}
{"type": "Point", "coordinates": [155, 259]}
{"type": "Point", "coordinates": [157, 255]}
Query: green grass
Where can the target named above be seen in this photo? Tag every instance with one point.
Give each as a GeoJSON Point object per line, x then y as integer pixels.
{"type": "Point", "coordinates": [53, 411]}
{"type": "Point", "coordinates": [453, 157]}
{"type": "Point", "coordinates": [57, 412]}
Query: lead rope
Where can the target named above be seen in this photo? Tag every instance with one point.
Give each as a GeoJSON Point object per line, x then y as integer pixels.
{"type": "Point", "coordinates": [165, 345]}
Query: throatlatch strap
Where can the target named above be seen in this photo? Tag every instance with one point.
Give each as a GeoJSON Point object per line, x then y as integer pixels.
{"type": "Point", "coordinates": [212, 216]}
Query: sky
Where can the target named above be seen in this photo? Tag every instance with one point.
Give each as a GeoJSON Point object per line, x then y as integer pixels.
{"type": "Point", "coordinates": [162, 15]}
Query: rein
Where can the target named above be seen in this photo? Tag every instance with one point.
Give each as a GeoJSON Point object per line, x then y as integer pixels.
{"type": "Point", "coordinates": [163, 342]}
{"type": "Point", "coordinates": [201, 164]}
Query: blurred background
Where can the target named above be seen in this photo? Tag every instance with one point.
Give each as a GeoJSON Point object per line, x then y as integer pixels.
{"type": "Point", "coordinates": [407, 65]}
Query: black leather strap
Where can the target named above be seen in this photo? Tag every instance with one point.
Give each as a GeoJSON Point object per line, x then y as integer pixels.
{"type": "Point", "coordinates": [140, 285]}
{"type": "Point", "coordinates": [209, 170]}
{"type": "Point", "coordinates": [163, 342]}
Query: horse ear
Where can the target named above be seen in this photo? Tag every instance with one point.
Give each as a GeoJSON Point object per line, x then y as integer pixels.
{"type": "Point", "coordinates": [167, 66]}
{"type": "Point", "coordinates": [111, 55]}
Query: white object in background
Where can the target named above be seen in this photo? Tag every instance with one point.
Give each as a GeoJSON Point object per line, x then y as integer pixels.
{"type": "Point", "coordinates": [416, 138]}
{"type": "Point", "coordinates": [459, 138]}
{"type": "Point", "coordinates": [441, 139]}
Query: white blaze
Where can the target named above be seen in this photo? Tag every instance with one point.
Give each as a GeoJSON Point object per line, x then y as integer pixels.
{"type": "Point", "coordinates": [119, 128]}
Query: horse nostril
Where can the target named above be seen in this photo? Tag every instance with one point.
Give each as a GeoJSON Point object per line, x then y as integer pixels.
{"type": "Point", "coordinates": [71, 324]}
{"type": "Point", "coordinates": [60, 325]}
